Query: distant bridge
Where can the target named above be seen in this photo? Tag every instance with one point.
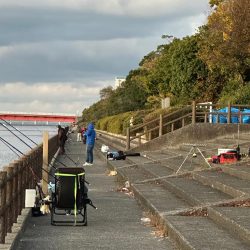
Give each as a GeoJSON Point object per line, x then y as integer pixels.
{"type": "Point", "coordinates": [38, 117]}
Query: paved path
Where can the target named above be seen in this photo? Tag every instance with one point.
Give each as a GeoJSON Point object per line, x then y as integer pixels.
{"type": "Point", "coordinates": [202, 207]}
{"type": "Point", "coordinates": [116, 224]}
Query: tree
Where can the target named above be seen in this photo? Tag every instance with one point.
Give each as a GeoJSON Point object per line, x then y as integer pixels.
{"type": "Point", "coordinates": [209, 66]}
{"type": "Point", "coordinates": [177, 71]}
{"type": "Point", "coordinates": [106, 92]}
{"type": "Point", "coordinates": [214, 3]}
{"type": "Point", "coordinates": [225, 40]}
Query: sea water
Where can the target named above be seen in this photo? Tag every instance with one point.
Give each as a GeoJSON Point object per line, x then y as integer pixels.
{"type": "Point", "coordinates": [16, 141]}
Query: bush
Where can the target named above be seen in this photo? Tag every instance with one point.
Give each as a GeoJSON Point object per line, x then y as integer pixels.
{"type": "Point", "coordinates": [173, 115]}
{"type": "Point", "coordinates": [118, 124]}
{"type": "Point", "coordinates": [102, 124]}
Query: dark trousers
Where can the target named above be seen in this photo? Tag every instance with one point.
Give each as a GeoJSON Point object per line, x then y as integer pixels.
{"type": "Point", "coordinates": [90, 149]}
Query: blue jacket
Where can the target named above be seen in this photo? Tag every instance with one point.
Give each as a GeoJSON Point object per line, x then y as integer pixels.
{"type": "Point", "coordinates": [91, 135]}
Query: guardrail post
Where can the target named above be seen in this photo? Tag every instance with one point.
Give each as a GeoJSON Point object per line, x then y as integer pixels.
{"type": "Point", "coordinates": [205, 118]}
{"type": "Point", "coordinates": [128, 139]}
{"type": "Point", "coordinates": [15, 191]}
{"type": "Point", "coordinates": [217, 118]}
{"type": "Point", "coordinates": [229, 113]}
{"type": "Point", "coordinates": [9, 202]}
{"type": "Point", "coordinates": [3, 226]}
{"type": "Point", "coordinates": [23, 179]}
{"type": "Point", "coordinates": [146, 133]}
{"type": "Point", "coordinates": [45, 175]}
{"type": "Point", "coordinates": [172, 126]}
{"type": "Point", "coordinates": [160, 125]}
{"type": "Point", "coordinates": [183, 122]}
{"type": "Point", "coordinates": [149, 135]}
{"type": "Point", "coordinates": [240, 117]}
{"type": "Point", "coordinates": [193, 112]}
{"type": "Point", "coordinates": [19, 186]}
{"type": "Point", "coordinates": [139, 140]}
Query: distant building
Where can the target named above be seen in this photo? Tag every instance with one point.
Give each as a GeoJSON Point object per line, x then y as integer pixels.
{"type": "Point", "coordinates": [119, 81]}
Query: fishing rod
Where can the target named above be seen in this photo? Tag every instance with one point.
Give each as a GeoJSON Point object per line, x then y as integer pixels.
{"type": "Point", "coordinates": [6, 144]}
{"type": "Point", "coordinates": [16, 136]}
{"type": "Point", "coordinates": [31, 148]}
{"type": "Point", "coordinates": [28, 144]}
{"type": "Point", "coordinates": [13, 148]}
{"type": "Point", "coordinates": [30, 139]}
{"type": "Point", "coordinates": [18, 130]}
{"type": "Point", "coordinates": [10, 146]}
{"type": "Point", "coordinates": [20, 140]}
{"type": "Point", "coordinates": [76, 163]}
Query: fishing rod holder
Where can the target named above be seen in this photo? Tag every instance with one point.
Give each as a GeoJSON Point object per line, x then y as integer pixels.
{"type": "Point", "coordinates": [193, 151]}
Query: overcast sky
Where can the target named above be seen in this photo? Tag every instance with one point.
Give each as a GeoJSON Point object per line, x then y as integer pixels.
{"type": "Point", "coordinates": [56, 55]}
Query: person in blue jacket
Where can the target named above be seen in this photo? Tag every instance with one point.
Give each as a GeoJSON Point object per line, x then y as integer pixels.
{"type": "Point", "coordinates": [90, 143]}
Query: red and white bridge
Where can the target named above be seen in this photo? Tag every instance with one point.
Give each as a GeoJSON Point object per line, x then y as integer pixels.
{"type": "Point", "coordinates": [38, 117]}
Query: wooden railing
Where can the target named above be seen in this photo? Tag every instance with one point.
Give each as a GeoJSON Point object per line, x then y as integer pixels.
{"type": "Point", "coordinates": [14, 179]}
{"type": "Point", "coordinates": [191, 114]}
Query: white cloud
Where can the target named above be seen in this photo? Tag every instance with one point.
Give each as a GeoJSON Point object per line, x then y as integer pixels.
{"type": "Point", "coordinates": [47, 97]}
{"type": "Point", "coordinates": [56, 55]}
{"type": "Point", "coordinates": [72, 60]}
{"type": "Point", "coordinates": [5, 50]}
{"type": "Point", "coordinates": [115, 7]}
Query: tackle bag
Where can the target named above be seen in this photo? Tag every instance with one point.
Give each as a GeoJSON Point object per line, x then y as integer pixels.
{"type": "Point", "coordinates": [116, 155]}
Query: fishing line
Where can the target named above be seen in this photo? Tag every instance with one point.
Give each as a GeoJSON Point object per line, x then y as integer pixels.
{"type": "Point", "coordinates": [49, 165]}
{"type": "Point", "coordinates": [18, 130]}
{"type": "Point", "coordinates": [22, 141]}
{"type": "Point", "coordinates": [28, 137]}
{"type": "Point", "coordinates": [30, 140]}
{"type": "Point", "coordinates": [9, 144]}
{"type": "Point", "coordinates": [36, 178]}
{"type": "Point", "coordinates": [71, 159]}
{"type": "Point", "coordinates": [16, 135]}
{"type": "Point", "coordinates": [6, 144]}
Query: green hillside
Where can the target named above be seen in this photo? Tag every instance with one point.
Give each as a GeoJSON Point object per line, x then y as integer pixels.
{"type": "Point", "coordinates": [211, 65]}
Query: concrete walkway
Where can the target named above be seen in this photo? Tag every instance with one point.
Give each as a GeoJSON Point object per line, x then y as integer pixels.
{"type": "Point", "coordinates": [201, 207]}
{"type": "Point", "coordinates": [116, 224]}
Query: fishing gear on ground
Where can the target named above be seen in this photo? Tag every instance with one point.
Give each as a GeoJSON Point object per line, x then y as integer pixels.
{"type": "Point", "coordinates": [42, 202]}
{"type": "Point", "coordinates": [120, 155]}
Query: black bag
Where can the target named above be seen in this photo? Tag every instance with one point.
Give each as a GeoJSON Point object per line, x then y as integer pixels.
{"type": "Point", "coordinates": [119, 155]}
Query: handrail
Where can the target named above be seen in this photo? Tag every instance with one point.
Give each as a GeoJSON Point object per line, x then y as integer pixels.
{"type": "Point", "coordinates": [136, 127]}
{"type": "Point", "coordinates": [14, 179]}
{"type": "Point", "coordinates": [200, 112]}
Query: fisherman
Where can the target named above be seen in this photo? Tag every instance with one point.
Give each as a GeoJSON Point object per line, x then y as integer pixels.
{"type": "Point", "coordinates": [61, 139]}
{"type": "Point", "coordinates": [84, 137]}
{"type": "Point", "coordinates": [90, 143]}
{"type": "Point", "coordinates": [79, 134]}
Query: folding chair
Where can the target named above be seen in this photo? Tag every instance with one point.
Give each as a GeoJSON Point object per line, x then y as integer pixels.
{"type": "Point", "coordinates": [71, 195]}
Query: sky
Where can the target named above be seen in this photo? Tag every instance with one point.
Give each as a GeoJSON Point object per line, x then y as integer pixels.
{"type": "Point", "coordinates": [56, 55]}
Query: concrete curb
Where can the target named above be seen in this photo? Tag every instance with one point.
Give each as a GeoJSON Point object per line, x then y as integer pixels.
{"type": "Point", "coordinates": [181, 193]}
{"type": "Point", "coordinates": [17, 229]}
{"type": "Point", "coordinates": [236, 172]}
{"type": "Point", "coordinates": [162, 218]}
{"type": "Point", "coordinates": [178, 238]}
{"type": "Point", "coordinates": [229, 224]}
{"type": "Point", "coordinates": [215, 216]}
{"type": "Point", "coordinates": [174, 235]}
{"type": "Point", "coordinates": [218, 185]}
